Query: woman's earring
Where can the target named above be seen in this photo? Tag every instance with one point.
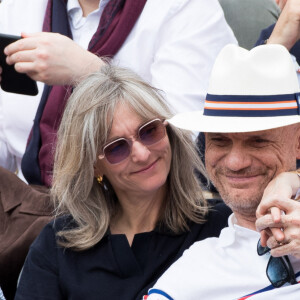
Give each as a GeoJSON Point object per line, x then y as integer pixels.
{"type": "Point", "coordinates": [99, 179]}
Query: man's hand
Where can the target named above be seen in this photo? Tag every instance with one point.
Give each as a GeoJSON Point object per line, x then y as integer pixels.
{"type": "Point", "coordinates": [289, 225]}
{"type": "Point", "coordinates": [287, 28]}
{"type": "Point", "coordinates": [52, 58]}
{"type": "Point", "coordinates": [278, 216]}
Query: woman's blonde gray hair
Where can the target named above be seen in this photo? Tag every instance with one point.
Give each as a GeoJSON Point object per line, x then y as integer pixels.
{"type": "Point", "coordinates": [84, 129]}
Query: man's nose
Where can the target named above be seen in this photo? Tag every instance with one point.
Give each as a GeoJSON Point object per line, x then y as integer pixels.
{"type": "Point", "coordinates": [237, 158]}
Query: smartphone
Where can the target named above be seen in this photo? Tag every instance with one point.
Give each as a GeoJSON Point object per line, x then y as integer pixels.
{"type": "Point", "coordinates": [12, 81]}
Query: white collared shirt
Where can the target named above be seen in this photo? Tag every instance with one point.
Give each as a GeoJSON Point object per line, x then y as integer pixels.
{"type": "Point", "coordinates": [83, 28]}
{"type": "Point", "coordinates": [223, 268]}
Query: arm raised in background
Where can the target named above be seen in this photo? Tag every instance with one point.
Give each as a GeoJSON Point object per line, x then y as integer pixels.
{"type": "Point", "coordinates": [287, 29]}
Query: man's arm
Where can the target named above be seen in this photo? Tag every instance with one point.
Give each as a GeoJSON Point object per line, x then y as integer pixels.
{"type": "Point", "coordinates": [187, 47]}
{"type": "Point", "coordinates": [287, 29]}
{"type": "Point", "coordinates": [52, 58]}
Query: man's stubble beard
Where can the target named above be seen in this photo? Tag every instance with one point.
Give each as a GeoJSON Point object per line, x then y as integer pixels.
{"type": "Point", "coordinates": [243, 205]}
{"type": "Point", "coordinates": [238, 201]}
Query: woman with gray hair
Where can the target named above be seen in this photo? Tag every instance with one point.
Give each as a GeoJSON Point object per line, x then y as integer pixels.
{"type": "Point", "coordinates": [124, 180]}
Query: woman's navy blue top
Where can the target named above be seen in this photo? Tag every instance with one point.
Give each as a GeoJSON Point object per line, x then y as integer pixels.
{"type": "Point", "coordinates": [111, 270]}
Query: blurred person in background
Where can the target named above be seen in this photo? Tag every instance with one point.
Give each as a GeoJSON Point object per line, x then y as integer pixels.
{"type": "Point", "coordinates": [247, 18]}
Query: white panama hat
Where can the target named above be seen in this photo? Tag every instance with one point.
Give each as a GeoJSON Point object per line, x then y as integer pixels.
{"type": "Point", "coordinates": [248, 91]}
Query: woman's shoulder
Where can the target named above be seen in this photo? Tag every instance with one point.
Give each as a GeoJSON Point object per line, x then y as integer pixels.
{"type": "Point", "coordinates": [216, 220]}
{"type": "Point", "coordinates": [65, 222]}
{"type": "Point", "coordinates": [217, 207]}
{"type": "Point", "coordinates": [49, 233]}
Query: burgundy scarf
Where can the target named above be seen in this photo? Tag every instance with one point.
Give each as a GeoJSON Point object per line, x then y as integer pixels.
{"type": "Point", "coordinates": [117, 20]}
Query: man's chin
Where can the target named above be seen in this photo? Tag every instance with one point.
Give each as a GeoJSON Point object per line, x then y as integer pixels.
{"type": "Point", "coordinates": [241, 197]}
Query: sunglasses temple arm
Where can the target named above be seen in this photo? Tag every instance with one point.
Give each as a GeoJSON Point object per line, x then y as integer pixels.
{"type": "Point", "coordinates": [291, 270]}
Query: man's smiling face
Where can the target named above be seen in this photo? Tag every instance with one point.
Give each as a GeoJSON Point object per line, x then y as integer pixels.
{"type": "Point", "coordinates": [242, 164]}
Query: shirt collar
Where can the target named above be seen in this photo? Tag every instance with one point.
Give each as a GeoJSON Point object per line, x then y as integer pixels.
{"type": "Point", "coordinates": [73, 5]}
{"type": "Point", "coordinates": [234, 231]}
{"type": "Point", "coordinates": [75, 12]}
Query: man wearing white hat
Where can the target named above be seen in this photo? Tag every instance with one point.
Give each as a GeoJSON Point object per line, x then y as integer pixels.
{"type": "Point", "coordinates": [252, 129]}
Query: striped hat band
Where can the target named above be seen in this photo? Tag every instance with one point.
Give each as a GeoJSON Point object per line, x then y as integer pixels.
{"type": "Point", "coordinates": [252, 106]}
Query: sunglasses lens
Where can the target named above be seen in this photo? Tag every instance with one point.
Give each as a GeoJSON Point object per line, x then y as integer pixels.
{"type": "Point", "coordinates": [117, 151]}
{"type": "Point", "coordinates": [149, 134]}
{"type": "Point", "coordinates": [277, 271]}
{"type": "Point", "coordinates": [152, 132]}
{"type": "Point", "coordinates": [262, 250]}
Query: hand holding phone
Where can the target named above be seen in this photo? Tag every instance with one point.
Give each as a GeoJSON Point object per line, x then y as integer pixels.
{"type": "Point", "coordinates": [11, 80]}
